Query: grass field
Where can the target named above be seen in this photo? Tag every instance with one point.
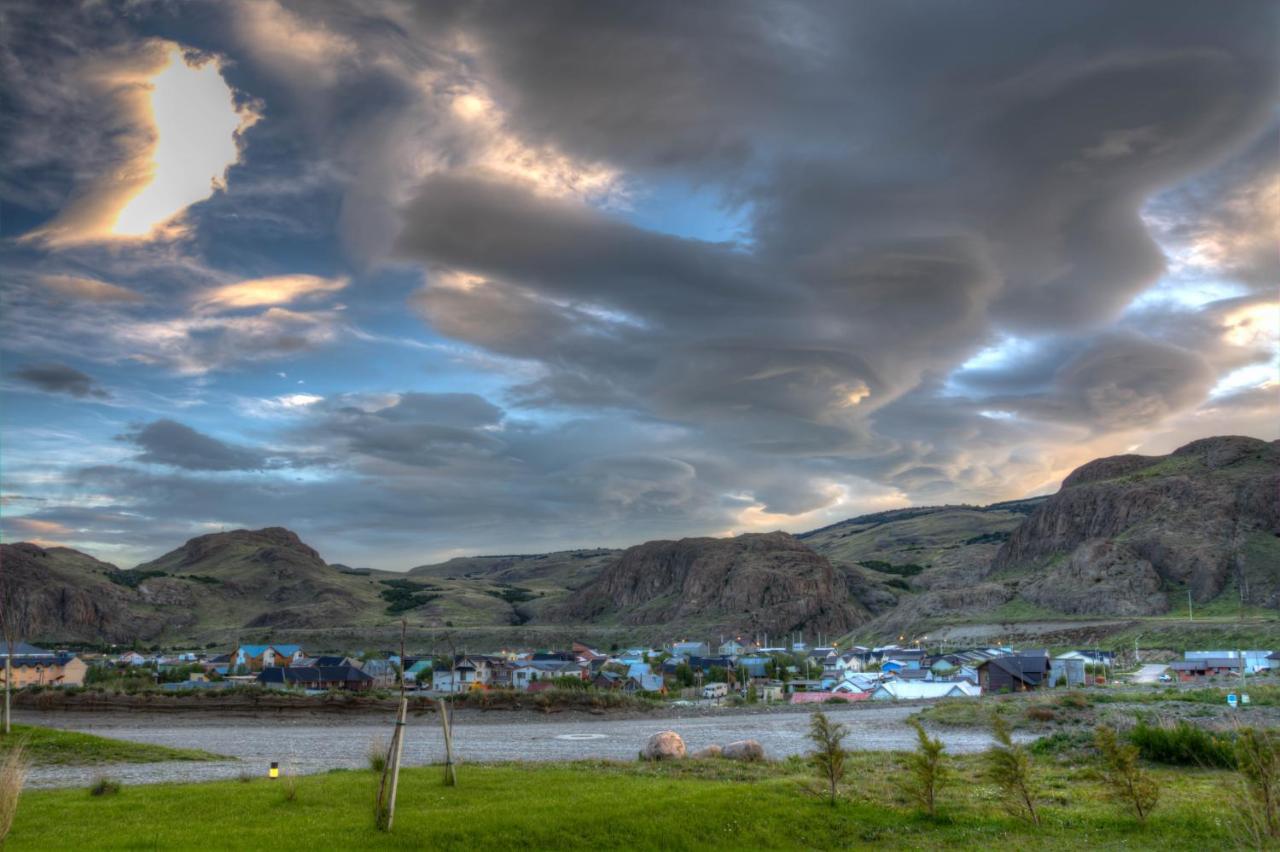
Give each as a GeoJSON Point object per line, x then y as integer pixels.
{"type": "Point", "coordinates": [687, 805]}
{"type": "Point", "coordinates": [47, 746]}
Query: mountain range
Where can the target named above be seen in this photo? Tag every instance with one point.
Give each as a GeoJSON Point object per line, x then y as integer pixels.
{"type": "Point", "coordinates": [1125, 537]}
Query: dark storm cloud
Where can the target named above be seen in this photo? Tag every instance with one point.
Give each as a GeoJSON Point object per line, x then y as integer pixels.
{"type": "Point", "coordinates": [171, 443]}
{"type": "Point", "coordinates": [416, 429]}
{"type": "Point", "coordinates": [917, 178]}
{"type": "Point", "coordinates": [59, 378]}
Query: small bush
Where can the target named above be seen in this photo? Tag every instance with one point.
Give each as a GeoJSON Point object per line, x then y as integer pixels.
{"type": "Point", "coordinates": [13, 774]}
{"type": "Point", "coordinates": [1073, 701]}
{"type": "Point", "coordinates": [104, 786]}
{"type": "Point", "coordinates": [1008, 766]}
{"type": "Point", "coordinates": [1062, 743]}
{"type": "Point", "coordinates": [926, 770]}
{"type": "Point", "coordinates": [377, 754]}
{"type": "Point", "coordinates": [828, 755]}
{"type": "Point", "coordinates": [1128, 783]}
{"type": "Point", "coordinates": [1041, 713]}
{"type": "Point", "coordinates": [1258, 757]}
{"type": "Point", "coordinates": [1183, 744]}
{"type": "Point", "coordinates": [244, 777]}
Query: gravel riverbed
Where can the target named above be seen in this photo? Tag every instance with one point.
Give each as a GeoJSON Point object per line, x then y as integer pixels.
{"type": "Point", "coordinates": [310, 744]}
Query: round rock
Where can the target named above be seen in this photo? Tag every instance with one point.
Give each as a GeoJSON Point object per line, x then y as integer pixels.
{"type": "Point", "coordinates": [749, 750]}
{"type": "Point", "coordinates": [664, 745]}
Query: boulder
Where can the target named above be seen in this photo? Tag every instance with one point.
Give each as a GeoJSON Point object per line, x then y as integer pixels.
{"type": "Point", "coordinates": [748, 750]}
{"type": "Point", "coordinates": [664, 745]}
{"type": "Point", "coordinates": [708, 752]}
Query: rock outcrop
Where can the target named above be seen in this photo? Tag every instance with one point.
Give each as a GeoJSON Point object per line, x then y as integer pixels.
{"type": "Point", "coordinates": [757, 582]}
{"type": "Point", "coordinates": [1101, 577]}
{"type": "Point", "coordinates": [1205, 517]}
{"type": "Point", "coordinates": [63, 593]}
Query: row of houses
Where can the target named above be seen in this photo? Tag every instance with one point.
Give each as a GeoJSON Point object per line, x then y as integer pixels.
{"type": "Point", "coordinates": [34, 666]}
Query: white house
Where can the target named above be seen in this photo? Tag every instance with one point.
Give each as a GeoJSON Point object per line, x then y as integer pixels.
{"type": "Point", "coordinates": [914, 690]}
{"type": "Point", "coordinates": [732, 648]}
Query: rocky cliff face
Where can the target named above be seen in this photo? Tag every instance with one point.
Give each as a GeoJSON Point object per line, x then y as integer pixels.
{"type": "Point", "coordinates": [759, 582]}
{"type": "Point", "coordinates": [1124, 531]}
{"type": "Point", "coordinates": [62, 593]}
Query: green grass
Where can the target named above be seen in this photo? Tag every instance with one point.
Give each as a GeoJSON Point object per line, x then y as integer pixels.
{"type": "Point", "coordinates": [687, 805]}
{"type": "Point", "coordinates": [48, 746]}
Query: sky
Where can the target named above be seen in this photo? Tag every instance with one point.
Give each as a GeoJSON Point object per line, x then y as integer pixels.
{"type": "Point", "coordinates": [423, 280]}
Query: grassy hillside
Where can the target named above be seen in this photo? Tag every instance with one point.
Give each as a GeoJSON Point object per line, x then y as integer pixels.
{"type": "Point", "coordinates": [687, 805]}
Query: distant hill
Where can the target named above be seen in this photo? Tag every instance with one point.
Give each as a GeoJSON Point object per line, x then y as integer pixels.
{"type": "Point", "coordinates": [1125, 537]}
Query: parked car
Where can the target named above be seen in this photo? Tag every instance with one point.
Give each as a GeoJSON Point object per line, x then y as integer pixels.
{"type": "Point", "coordinates": [715, 690]}
{"type": "Point", "coordinates": [1166, 678]}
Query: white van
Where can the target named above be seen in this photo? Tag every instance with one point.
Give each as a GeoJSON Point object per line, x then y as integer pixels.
{"type": "Point", "coordinates": [715, 690]}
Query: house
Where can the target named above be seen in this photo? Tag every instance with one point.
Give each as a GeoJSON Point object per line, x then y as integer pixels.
{"type": "Point", "coordinates": [132, 658]}
{"type": "Point", "coordinates": [646, 683]}
{"type": "Point", "coordinates": [255, 658]}
{"type": "Point", "coordinates": [910, 658]}
{"type": "Point", "coordinates": [912, 674]}
{"type": "Point", "coordinates": [327, 661]}
{"type": "Point", "coordinates": [383, 672]}
{"type": "Point", "coordinates": [753, 666]}
{"type": "Point", "coordinates": [1069, 671]}
{"type": "Point", "coordinates": [856, 682]}
{"type": "Point", "coordinates": [690, 649]}
{"type": "Point", "coordinates": [916, 690]}
{"type": "Point", "coordinates": [1187, 670]}
{"type": "Point", "coordinates": [732, 648]}
{"type": "Point", "coordinates": [525, 674]}
{"type": "Point", "coordinates": [1014, 673]}
{"type": "Point", "coordinates": [1090, 657]}
{"type": "Point", "coordinates": [1254, 661]}
{"type": "Point", "coordinates": [316, 677]}
{"type": "Point", "coordinates": [46, 668]}
{"type": "Point", "coordinates": [419, 673]}
{"type": "Point", "coordinates": [769, 690]}
{"type": "Point", "coordinates": [608, 681]}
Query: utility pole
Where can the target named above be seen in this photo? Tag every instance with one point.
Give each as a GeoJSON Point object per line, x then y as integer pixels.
{"type": "Point", "coordinates": [1190, 616]}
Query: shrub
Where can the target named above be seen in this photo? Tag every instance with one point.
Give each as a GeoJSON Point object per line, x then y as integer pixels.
{"type": "Point", "coordinates": [1129, 784]}
{"type": "Point", "coordinates": [1062, 742]}
{"type": "Point", "coordinates": [1041, 713]}
{"type": "Point", "coordinates": [1008, 766]}
{"type": "Point", "coordinates": [13, 774]}
{"type": "Point", "coordinates": [926, 770]}
{"type": "Point", "coordinates": [1183, 744]}
{"type": "Point", "coordinates": [1073, 701]}
{"type": "Point", "coordinates": [828, 755]}
{"type": "Point", "coordinates": [377, 754]}
{"type": "Point", "coordinates": [104, 786]}
{"type": "Point", "coordinates": [1258, 758]}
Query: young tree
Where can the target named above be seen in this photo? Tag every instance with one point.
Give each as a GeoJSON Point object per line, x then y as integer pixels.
{"type": "Point", "coordinates": [828, 755]}
{"type": "Point", "coordinates": [15, 619]}
{"type": "Point", "coordinates": [1129, 783]}
{"type": "Point", "coordinates": [926, 770]}
{"type": "Point", "coordinates": [1008, 766]}
{"type": "Point", "coordinates": [1258, 758]}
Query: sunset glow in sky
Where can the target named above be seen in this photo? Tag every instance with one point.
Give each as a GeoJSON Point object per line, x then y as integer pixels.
{"type": "Point", "coordinates": [425, 279]}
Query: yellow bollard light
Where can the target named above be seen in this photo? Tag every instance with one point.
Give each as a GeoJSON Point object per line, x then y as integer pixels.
{"type": "Point", "coordinates": [274, 771]}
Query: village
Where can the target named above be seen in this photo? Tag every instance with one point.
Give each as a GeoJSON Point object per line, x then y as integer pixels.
{"type": "Point", "coordinates": [729, 672]}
